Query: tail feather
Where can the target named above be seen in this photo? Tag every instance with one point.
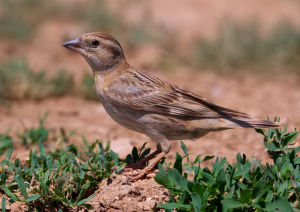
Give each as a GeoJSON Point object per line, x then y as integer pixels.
{"type": "Point", "coordinates": [254, 123]}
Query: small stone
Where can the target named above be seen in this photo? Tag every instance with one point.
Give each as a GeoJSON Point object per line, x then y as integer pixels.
{"type": "Point", "coordinates": [149, 205]}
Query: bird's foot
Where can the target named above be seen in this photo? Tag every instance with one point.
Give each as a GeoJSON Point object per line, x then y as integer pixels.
{"type": "Point", "coordinates": [139, 174]}
{"type": "Point", "coordinates": [133, 169]}
{"type": "Point", "coordinates": [134, 176]}
{"type": "Point", "coordinates": [134, 166]}
{"type": "Point", "coordinates": [128, 172]}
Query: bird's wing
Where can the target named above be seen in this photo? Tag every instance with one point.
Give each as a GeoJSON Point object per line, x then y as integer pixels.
{"type": "Point", "coordinates": [145, 92]}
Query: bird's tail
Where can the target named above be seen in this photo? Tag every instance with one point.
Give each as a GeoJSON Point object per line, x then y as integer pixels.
{"type": "Point", "coordinates": [254, 123]}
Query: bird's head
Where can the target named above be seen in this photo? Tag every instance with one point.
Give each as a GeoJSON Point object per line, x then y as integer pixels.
{"type": "Point", "coordinates": [100, 50]}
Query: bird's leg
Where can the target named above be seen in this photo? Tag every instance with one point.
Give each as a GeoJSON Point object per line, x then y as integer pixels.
{"type": "Point", "coordinates": [148, 169]}
{"type": "Point", "coordinates": [141, 163]}
{"type": "Point", "coordinates": [165, 148]}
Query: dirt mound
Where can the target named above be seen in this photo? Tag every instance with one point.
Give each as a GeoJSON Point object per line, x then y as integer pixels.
{"type": "Point", "coordinates": [117, 194]}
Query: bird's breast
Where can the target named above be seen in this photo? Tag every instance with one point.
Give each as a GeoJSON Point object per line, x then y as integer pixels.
{"type": "Point", "coordinates": [125, 117]}
{"type": "Point", "coordinates": [101, 85]}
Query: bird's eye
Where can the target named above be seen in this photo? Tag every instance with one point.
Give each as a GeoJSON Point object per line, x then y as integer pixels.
{"type": "Point", "coordinates": [95, 43]}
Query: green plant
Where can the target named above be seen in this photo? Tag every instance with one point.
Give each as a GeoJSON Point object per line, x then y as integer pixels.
{"type": "Point", "coordinates": [61, 84]}
{"type": "Point", "coordinates": [6, 143]}
{"type": "Point", "coordinates": [87, 87]}
{"type": "Point", "coordinates": [243, 186]}
{"type": "Point", "coordinates": [243, 47]}
{"type": "Point", "coordinates": [19, 19]}
{"type": "Point", "coordinates": [34, 135]}
{"type": "Point", "coordinates": [18, 82]}
{"type": "Point", "coordinates": [95, 14]}
{"type": "Point", "coordinates": [54, 180]}
{"type": "Point", "coordinates": [136, 155]}
{"type": "Point", "coordinates": [60, 179]}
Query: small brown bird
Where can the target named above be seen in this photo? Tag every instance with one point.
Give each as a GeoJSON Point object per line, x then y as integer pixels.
{"type": "Point", "coordinates": [144, 103]}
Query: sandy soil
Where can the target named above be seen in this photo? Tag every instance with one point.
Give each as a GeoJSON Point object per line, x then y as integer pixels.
{"type": "Point", "coordinates": [116, 194]}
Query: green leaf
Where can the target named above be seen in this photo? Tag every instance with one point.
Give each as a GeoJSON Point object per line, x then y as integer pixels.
{"type": "Point", "coordinates": [259, 189]}
{"type": "Point", "coordinates": [5, 143]}
{"type": "Point", "coordinates": [175, 177]}
{"type": "Point", "coordinates": [162, 179]}
{"type": "Point", "coordinates": [10, 194]}
{"type": "Point", "coordinates": [208, 179]}
{"type": "Point", "coordinates": [9, 152]}
{"type": "Point", "coordinates": [33, 198]}
{"type": "Point", "coordinates": [221, 180]}
{"type": "Point", "coordinates": [297, 160]}
{"type": "Point", "coordinates": [269, 196]}
{"type": "Point", "coordinates": [183, 147]}
{"type": "Point", "coordinates": [42, 149]}
{"type": "Point", "coordinates": [22, 186]}
{"type": "Point", "coordinates": [135, 154]}
{"type": "Point", "coordinates": [178, 163]}
{"type": "Point", "coordinates": [242, 186]}
{"type": "Point", "coordinates": [245, 195]}
{"type": "Point", "coordinates": [171, 206]}
{"type": "Point", "coordinates": [196, 202]}
{"type": "Point", "coordinates": [239, 158]}
{"type": "Point", "coordinates": [85, 200]}
{"type": "Point", "coordinates": [260, 131]}
{"type": "Point", "coordinates": [231, 203]}
{"type": "Point", "coordinates": [244, 169]}
{"type": "Point", "coordinates": [3, 204]}
{"type": "Point", "coordinates": [270, 146]}
{"type": "Point", "coordinates": [285, 128]}
{"type": "Point", "coordinates": [289, 137]}
{"type": "Point", "coordinates": [282, 188]}
{"type": "Point", "coordinates": [283, 205]}
{"type": "Point", "coordinates": [286, 170]}
{"type": "Point", "coordinates": [145, 153]}
{"type": "Point", "coordinates": [208, 157]}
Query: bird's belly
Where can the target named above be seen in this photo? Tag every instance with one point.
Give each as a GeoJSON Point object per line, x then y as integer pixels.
{"type": "Point", "coordinates": [172, 128]}
{"type": "Point", "coordinates": [125, 117]}
{"type": "Point", "coordinates": [143, 122]}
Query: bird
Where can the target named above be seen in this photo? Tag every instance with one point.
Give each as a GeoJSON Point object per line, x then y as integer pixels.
{"type": "Point", "coordinates": [144, 103]}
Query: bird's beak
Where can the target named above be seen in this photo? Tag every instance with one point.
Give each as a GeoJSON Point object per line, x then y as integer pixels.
{"type": "Point", "coordinates": [75, 45]}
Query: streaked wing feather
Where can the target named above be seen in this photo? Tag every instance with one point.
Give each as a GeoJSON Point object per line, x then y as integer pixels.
{"type": "Point", "coordinates": [141, 91]}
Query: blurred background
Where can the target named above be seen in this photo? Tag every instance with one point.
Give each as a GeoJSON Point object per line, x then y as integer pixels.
{"type": "Point", "coordinates": [242, 55]}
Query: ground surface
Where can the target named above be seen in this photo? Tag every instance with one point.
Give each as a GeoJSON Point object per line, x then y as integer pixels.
{"type": "Point", "coordinates": [257, 96]}
{"type": "Point", "coordinates": [116, 194]}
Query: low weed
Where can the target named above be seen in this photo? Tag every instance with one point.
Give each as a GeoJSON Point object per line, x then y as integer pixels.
{"type": "Point", "coordinates": [34, 135]}
{"type": "Point", "coordinates": [6, 142]}
{"type": "Point", "coordinates": [243, 48]}
{"type": "Point", "coordinates": [87, 87]}
{"type": "Point", "coordinates": [137, 155]}
{"type": "Point", "coordinates": [54, 180]}
{"type": "Point", "coordinates": [57, 180]}
{"type": "Point", "coordinates": [18, 82]}
{"type": "Point", "coordinates": [20, 19]}
{"type": "Point", "coordinates": [243, 186]}
{"type": "Point", "coordinates": [67, 177]}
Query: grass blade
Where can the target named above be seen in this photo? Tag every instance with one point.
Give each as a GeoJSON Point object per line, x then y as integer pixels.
{"type": "Point", "coordinates": [22, 186]}
{"type": "Point", "coordinates": [3, 204]}
{"type": "Point", "coordinates": [10, 194]}
{"type": "Point", "coordinates": [33, 198]}
{"type": "Point", "coordinates": [81, 202]}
